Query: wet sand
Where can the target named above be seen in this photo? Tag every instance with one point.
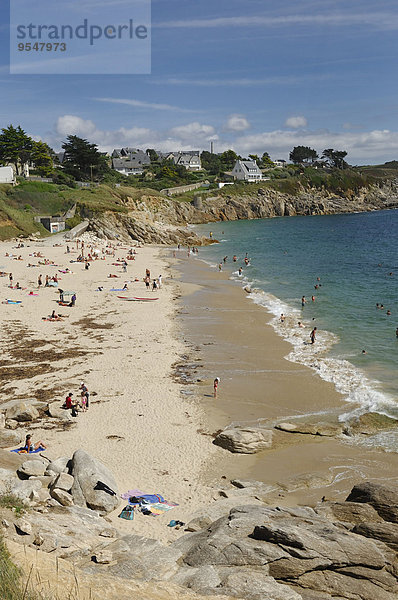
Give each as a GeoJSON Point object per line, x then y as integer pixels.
{"type": "Point", "coordinates": [234, 341]}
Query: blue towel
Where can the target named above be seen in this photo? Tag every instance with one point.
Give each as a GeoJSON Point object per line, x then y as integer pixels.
{"type": "Point", "coordinates": [40, 449]}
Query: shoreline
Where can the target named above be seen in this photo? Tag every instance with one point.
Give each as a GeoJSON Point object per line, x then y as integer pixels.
{"type": "Point", "coordinates": [258, 383]}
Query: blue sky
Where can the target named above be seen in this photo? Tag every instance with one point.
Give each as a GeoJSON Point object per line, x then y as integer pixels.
{"type": "Point", "coordinates": [254, 76]}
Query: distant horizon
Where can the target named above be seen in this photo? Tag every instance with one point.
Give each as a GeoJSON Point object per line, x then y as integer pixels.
{"type": "Point", "coordinates": [254, 77]}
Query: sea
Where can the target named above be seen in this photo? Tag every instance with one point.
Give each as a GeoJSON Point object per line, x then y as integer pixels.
{"type": "Point", "coordinates": [353, 259]}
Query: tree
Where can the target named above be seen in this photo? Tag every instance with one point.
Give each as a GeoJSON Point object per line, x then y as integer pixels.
{"type": "Point", "coordinates": [211, 162]}
{"type": "Point", "coordinates": [153, 155]}
{"type": "Point", "coordinates": [83, 160]}
{"type": "Point", "coordinates": [335, 158]}
{"type": "Point", "coordinates": [256, 158]}
{"type": "Point", "coordinates": [266, 160]}
{"type": "Point", "coordinates": [42, 158]}
{"type": "Point", "coordinates": [228, 160]}
{"type": "Point", "coordinates": [301, 154]}
{"type": "Point", "coordinates": [15, 147]}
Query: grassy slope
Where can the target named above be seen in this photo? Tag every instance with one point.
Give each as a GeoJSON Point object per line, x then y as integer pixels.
{"type": "Point", "coordinates": [19, 205]}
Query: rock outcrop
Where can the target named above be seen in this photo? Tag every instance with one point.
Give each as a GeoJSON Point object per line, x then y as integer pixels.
{"type": "Point", "coordinates": [90, 479]}
{"type": "Point", "coordinates": [244, 440]}
{"type": "Point", "coordinates": [161, 220]}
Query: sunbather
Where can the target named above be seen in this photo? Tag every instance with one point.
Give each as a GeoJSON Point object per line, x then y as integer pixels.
{"type": "Point", "coordinates": [30, 446]}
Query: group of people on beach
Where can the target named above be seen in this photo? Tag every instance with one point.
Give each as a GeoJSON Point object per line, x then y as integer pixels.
{"type": "Point", "coordinates": [78, 405]}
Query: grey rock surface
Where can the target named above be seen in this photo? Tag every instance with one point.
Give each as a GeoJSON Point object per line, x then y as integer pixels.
{"type": "Point", "coordinates": [383, 499]}
{"type": "Point", "coordinates": [63, 481]}
{"type": "Point", "coordinates": [10, 438]}
{"type": "Point", "coordinates": [61, 496]}
{"type": "Point", "coordinates": [22, 412]}
{"type": "Point", "coordinates": [33, 467]}
{"type": "Point", "coordinates": [88, 472]}
{"type": "Point", "coordinates": [24, 489]}
{"type": "Point", "coordinates": [244, 440]}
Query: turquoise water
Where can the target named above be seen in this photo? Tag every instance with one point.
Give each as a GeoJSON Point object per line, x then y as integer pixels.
{"type": "Point", "coordinates": [353, 256]}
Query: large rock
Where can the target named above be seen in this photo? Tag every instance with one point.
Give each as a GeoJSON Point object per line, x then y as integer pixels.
{"type": "Point", "coordinates": [322, 429]}
{"type": "Point", "coordinates": [383, 498]}
{"type": "Point", "coordinates": [244, 440]}
{"type": "Point", "coordinates": [352, 513]}
{"type": "Point", "coordinates": [370, 423]}
{"type": "Point", "coordinates": [89, 473]}
{"type": "Point", "coordinates": [22, 411]}
{"type": "Point", "coordinates": [55, 411]}
{"type": "Point", "coordinates": [59, 465]}
{"type": "Point", "coordinates": [254, 546]}
{"type": "Point", "coordinates": [9, 438]}
{"type": "Point", "coordinates": [256, 586]}
{"type": "Point", "coordinates": [61, 496]}
{"type": "Point", "coordinates": [385, 532]}
{"type": "Point", "coordinates": [32, 468]}
{"type": "Point", "coordinates": [24, 489]}
{"type": "Point", "coordinates": [64, 481]}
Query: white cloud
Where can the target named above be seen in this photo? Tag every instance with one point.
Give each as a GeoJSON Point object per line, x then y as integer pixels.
{"type": "Point", "coordinates": [384, 20]}
{"type": "Point", "coordinates": [296, 122]}
{"type": "Point", "coordinates": [243, 81]}
{"type": "Point", "coordinates": [184, 137]}
{"type": "Point", "coordinates": [237, 123]}
{"type": "Point", "coordinates": [361, 146]}
{"type": "Point", "coordinates": [192, 131]}
{"type": "Point", "coordinates": [141, 104]}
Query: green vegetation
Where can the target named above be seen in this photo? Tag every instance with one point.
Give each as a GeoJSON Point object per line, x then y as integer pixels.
{"type": "Point", "coordinates": [12, 584]}
{"type": "Point", "coordinates": [12, 502]}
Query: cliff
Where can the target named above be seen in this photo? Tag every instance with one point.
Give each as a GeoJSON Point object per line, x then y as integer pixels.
{"type": "Point", "coordinates": [155, 219]}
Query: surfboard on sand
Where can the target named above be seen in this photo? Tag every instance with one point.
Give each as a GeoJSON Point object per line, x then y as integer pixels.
{"type": "Point", "coordinates": [137, 299]}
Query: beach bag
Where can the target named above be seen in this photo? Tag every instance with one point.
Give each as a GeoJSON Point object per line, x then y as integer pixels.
{"type": "Point", "coordinates": [127, 513]}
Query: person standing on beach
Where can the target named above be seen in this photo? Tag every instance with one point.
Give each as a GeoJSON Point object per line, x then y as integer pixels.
{"type": "Point", "coordinates": [10, 278]}
{"type": "Point", "coordinates": [159, 281]}
{"type": "Point", "coordinates": [39, 281]}
{"type": "Point", "coordinates": [215, 386]}
{"type": "Point", "coordinates": [303, 301]}
{"type": "Point", "coordinates": [312, 335]}
{"type": "Point", "coordinates": [85, 393]}
{"type": "Point", "coordinates": [220, 266]}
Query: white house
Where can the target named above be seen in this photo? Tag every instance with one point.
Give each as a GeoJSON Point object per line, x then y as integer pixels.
{"type": "Point", "coordinates": [280, 162]}
{"type": "Point", "coordinates": [7, 175]}
{"type": "Point", "coordinates": [190, 159]}
{"type": "Point", "coordinates": [247, 170]}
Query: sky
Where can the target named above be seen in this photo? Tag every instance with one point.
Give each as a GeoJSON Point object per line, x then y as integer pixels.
{"type": "Point", "coordinates": [255, 76]}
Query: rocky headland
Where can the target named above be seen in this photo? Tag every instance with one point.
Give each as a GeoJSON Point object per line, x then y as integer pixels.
{"type": "Point", "coordinates": [161, 220]}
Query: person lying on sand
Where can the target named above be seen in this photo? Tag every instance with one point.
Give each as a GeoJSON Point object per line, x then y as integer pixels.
{"type": "Point", "coordinates": [30, 446]}
{"type": "Point", "coordinates": [113, 276]}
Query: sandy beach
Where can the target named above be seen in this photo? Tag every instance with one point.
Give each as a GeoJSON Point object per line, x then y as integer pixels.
{"type": "Point", "coordinates": [149, 367]}
{"type": "Point", "coordinates": [138, 423]}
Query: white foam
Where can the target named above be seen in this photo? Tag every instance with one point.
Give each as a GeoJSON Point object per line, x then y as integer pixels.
{"type": "Point", "coordinates": [348, 379]}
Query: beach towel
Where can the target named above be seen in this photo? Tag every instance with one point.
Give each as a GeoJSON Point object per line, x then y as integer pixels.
{"type": "Point", "coordinates": [24, 451]}
{"type": "Point", "coordinates": [116, 290]}
{"type": "Point", "coordinates": [12, 302]}
{"type": "Point", "coordinates": [160, 507]}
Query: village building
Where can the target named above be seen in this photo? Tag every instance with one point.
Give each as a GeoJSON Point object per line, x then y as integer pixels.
{"type": "Point", "coordinates": [246, 170]}
{"type": "Point", "coordinates": [130, 161]}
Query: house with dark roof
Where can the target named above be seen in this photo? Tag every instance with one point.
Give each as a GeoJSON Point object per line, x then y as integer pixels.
{"type": "Point", "coordinates": [247, 170]}
{"type": "Point", "coordinates": [130, 161]}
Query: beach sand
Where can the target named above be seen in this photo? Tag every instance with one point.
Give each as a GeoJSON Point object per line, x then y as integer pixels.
{"type": "Point", "coordinates": [236, 343]}
{"type": "Point", "coordinates": [150, 367]}
{"type": "Point", "coordinates": [138, 423]}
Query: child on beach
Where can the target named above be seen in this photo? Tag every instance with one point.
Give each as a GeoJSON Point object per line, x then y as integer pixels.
{"type": "Point", "coordinates": [215, 386]}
